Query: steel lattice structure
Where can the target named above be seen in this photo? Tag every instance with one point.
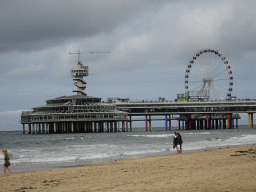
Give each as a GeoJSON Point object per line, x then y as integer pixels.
{"type": "Point", "coordinates": [209, 75]}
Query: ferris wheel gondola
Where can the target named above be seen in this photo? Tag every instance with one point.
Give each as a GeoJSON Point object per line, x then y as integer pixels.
{"type": "Point", "coordinates": [209, 75]}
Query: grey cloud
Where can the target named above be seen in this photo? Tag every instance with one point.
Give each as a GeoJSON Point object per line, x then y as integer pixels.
{"type": "Point", "coordinates": [29, 25]}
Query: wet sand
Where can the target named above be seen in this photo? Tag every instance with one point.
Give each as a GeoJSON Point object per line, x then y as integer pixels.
{"type": "Point", "coordinates": [226, 169]}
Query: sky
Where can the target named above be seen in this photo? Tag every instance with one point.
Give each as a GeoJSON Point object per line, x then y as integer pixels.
{"type": "Point", "coordinates": [151, 43]}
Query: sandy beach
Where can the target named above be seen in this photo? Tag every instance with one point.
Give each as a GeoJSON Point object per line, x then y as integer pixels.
{"type": "Point", "coordinates": [225, 169]}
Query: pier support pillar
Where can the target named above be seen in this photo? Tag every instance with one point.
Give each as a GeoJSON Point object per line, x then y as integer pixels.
{"type": "Point", "coordinates": [37, 128]}
{"type": "Point", "coordinates": [55, 127]}
{"type": "Point", "coordinates": [118, 126]}
{"type": "Point", "coordinates": [47, 128]}
{"type": "Point", "coordinates": [224, 124]}
{"type": "Point", "coordinates": [201, 124]}
{"type": "Point", "coordinates": [207, 121]}
{"type": "Point", "coordinates": [43, 128]}
{"type": "Point", "coordinates": [85, 127]}
{"type": "Point", "coordinates": [93, 127]}
{"type": "Point", "coordinates": [216, 124]}
{"type": "Point", "coordinates": [93, 130]}
{"type": "Point", "coordinates": [23, 126]}
{"type": "Point", "coordinates": [72, 127]}
{"type": "Point", "coordinates": [106, 126]}
{"type": "Point", "coordinates": [179, 124]}
{"type": "Point", "coordinates": [127, 126]}
{"type": "Point", "coordinates": [115, 126]}
{"type": "Point", "coordinates": [111, 126]}
{"type": "Point", "coordinates": [231, 121]}
{"type": "Point", "coordinates": [236, 123]}
{"type": "Point", "coordinates": [130, 123]}
{"type": "Point", "coordinates": [230, 126]}
{"type": "Point", "coordinates": [29, 128]}
{"type": "Point", "coordinates": [33, 128]}
{"type": "Point", "coordinates": [252, 120]}
{"type": "Point", "coordinates": [123, 126]}
{"type": "Point", "coordinates": [96, 127]}
{"type": "Point", "coordinates": [146, 123]}
{"type": "Point", "coordinates": [77, 127]}
{"type": "Point", "coordinates": [170, 123]}
{"type": "Point", "coordinates": [65, 127]}
{"type": "Point", "coordinates": [150, 128]}
{"type": "Point", "coordinates": [228, 121]}
{"type": "Point", "coordinates": [213, 124]}
{"type": "Point", "coordinates": [187, 122]}
{"type": "Point", "coordinates": [166, 122]}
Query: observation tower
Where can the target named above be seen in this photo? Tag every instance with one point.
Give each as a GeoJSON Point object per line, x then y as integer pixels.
{"type": "Point", "coordinates": [78, 73]}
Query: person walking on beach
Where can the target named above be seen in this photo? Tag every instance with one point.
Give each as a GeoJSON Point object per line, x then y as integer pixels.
{"type": "Point", "coordinates": [179, 143]}
{"type": "Point", "coordinates": [174, 140]}
{"type": "Point", "coordinates": [6, 161]}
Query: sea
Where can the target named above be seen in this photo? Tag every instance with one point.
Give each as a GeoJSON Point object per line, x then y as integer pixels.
{"type": "Point", "coordinates": [38, 152]}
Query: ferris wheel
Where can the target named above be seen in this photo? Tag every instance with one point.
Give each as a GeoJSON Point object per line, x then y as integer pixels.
{"type": "Point", "coordinates": [208, 75]}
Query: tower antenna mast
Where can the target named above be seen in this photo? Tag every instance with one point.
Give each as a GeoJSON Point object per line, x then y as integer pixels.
{"type": "Point", "coordinates": [78, 53]}
{"type": "Point", "coordinates": [79, 72]}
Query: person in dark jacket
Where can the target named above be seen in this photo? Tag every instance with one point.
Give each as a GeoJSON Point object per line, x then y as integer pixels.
{"type": "Point", "coordinates": [174, 140]}
{"type": "Point", "coordinates": [6, 161]}
{"type": "Point", "coordinates": [179, 143]}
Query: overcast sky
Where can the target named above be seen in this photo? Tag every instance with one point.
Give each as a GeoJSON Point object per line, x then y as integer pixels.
{"type": "Point", "coordinates": [151, 43]}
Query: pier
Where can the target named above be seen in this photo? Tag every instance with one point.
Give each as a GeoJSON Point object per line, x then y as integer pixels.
{"type": "Point", "coordinates": [85, 114]}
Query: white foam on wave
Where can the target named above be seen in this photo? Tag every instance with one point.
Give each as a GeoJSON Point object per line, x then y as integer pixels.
{"type": "Point", "coordinates": [130, 153]}
{"type": "Point", "coordinates": [204, 133]}
{"type": "Point", "coordinates": [72, 153]}
{"type": "Point", "coordinates": [151, 136]}
{"type": "Point", "coordinates": [215, 142]}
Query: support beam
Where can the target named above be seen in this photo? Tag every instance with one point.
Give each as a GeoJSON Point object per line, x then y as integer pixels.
{"type": "Point", "coordinates": [170, 123]}
{"type": "Point", "coordinates": [166, 122]}
{"type": "Point", "coordinates": [47, 128]}
{"type": "Point", "coordinates": [65, 127]}
{"type": "Point", "coordinates": [43, 128]}
{"type": "Point", "coordinates": [37, 128]}
{"type": "Point", "coordinates": [118, 124]}
{"type": "Point", "coordinates": [111, 126]}
{"type": "Point", "coordinates": [85, 127]}
{"type": "Point", "coordinates": [123, 126]}
{"type": "Point", "coordinates": [207, 121]}
{"type": "Point", "coordinates": [224, 124]}
{"type": "Point", "coordinates": [33, 128]}
{"type": "Point", "coordinates": [115, 126]}
{"type": "Point", "coordinates": [29, 128]}
{"type": "Point", "coordinates": [146, 123]}
{"type": "Point", "coordinates": [72, 127]}
{"type": "Point", "coordinates": [55, 127]}
{"type": "Point", "coordinates": [106, 125]}
{"type": "Point", "coordinates": [93, 129]}
{"type": "Point", "coordinates": [130, 123]}
{"type": "Point", "coordinates": [77, 127]}
{"type": "Point", "coordinates": [252, 120]}
{"type": "Point", "coordinates": [150, 128]}
{"type": "Point", "coordinates": [23, 126]}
